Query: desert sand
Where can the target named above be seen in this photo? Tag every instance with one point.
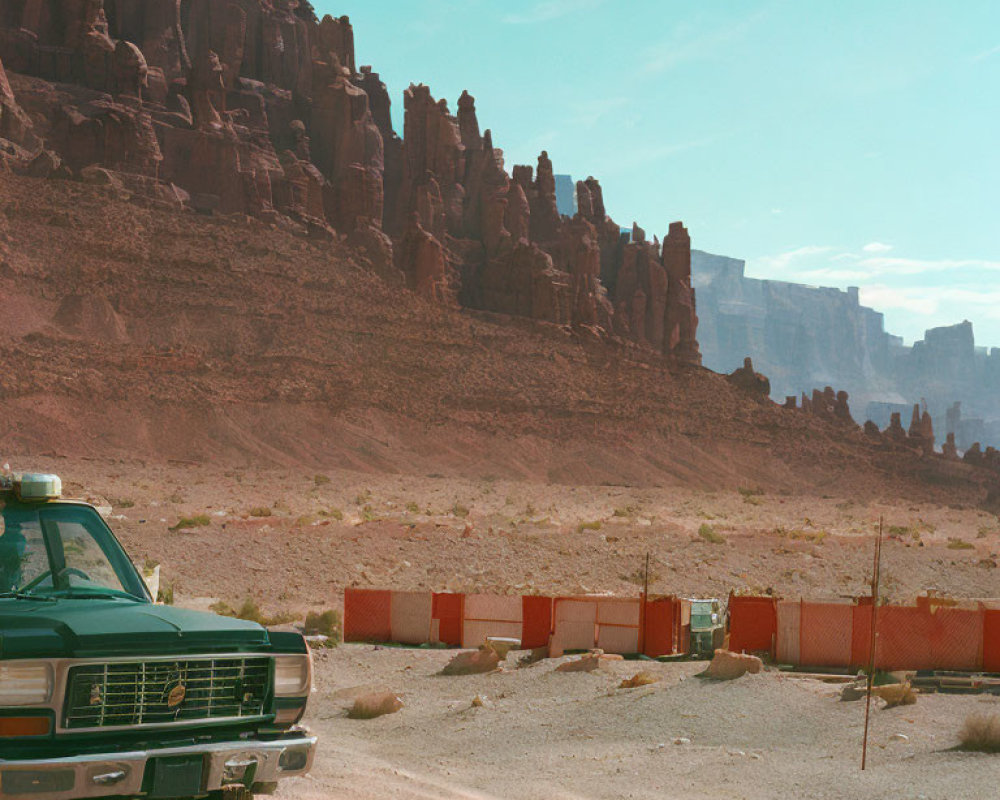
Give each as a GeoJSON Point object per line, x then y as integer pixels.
{"type": "Point", "coordinates": [292, 540]}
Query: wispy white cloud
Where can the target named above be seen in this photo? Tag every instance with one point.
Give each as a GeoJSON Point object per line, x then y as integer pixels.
{"type": "Point", "coordinates": [921, 266]}
{"type": "Point", "coordinates": [815, 263]}
{"type": "Point", "coordinates": [649, 154]}
{"type": "Point", "coordinates": [781, 264]}
{"type": "Point", "coordinates": [987, 54]}
{"type": "Point", "coordinates": [888, 297]}
{"type": "Point", "coordinates": [930, 300]}
{"type": "Point", "coordinates": [687, 45]}
{"type": "Point", "coordinates": [588, 113]}
{"type": "Point", "coordinates": [549, 10]}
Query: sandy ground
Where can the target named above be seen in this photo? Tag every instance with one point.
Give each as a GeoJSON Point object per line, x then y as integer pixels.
{"type": "Point", "coordinates": [292, 540]}
{"type": "Point", "coordinates": [542, 734]}
{"type": "Point", "coordinates": [324, 531]}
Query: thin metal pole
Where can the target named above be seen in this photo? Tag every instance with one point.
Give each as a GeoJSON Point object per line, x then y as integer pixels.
{"type": "Point", "coordinates": [876, 569]}
{"type": "Point", "coordinates": [645, 579]}
{"type": "Point", "coordinates": [642, 608]}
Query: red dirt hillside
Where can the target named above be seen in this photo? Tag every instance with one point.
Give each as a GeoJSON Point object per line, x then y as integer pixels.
{"type": "Point", "coordinates": [141, 333]}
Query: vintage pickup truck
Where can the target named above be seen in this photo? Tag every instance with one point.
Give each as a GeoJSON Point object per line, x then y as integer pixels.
{"type": "Point", "coordinates": [105, 694]}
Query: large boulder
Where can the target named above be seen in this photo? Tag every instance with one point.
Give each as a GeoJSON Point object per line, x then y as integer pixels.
{"type": "Point", "coordinates": [726, 665]}
{"type": "Point", "coordinates": [473, 662]}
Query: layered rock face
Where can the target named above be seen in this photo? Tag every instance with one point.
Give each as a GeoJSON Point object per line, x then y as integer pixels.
{"type": "Point", "coordinates": [257, 107]}
{"type": "Point", "coordinates": [803, 336]}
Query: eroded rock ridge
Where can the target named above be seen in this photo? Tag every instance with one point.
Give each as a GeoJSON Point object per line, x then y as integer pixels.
{"type": "Point", "coordinates": [258, 107]}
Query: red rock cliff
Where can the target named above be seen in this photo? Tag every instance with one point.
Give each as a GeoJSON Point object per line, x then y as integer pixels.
{"type": "Point", "coordinates": [257, 107]}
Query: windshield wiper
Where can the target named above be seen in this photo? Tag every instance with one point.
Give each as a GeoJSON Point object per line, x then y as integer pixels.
{"type": "Point", "coordinates": [84, 594]}
{"type": "Point", "coordinates": [26, 596]}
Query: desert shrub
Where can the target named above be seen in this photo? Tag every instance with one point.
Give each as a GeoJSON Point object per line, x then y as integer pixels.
{"type": "Point", "coordinates": [326, 623]}
{"type": "Point", "coordinates": [197, 521]}
{"type": "Point", "coordinates": [260, 511]}
{"type": "Point", "coordinates": [627, 511]}
{"type": "Point", "coordinates": [593, 525]}
{"type": "Point", "coordinates": [251, 611]}
{"type": "Point", "coordinates": [751, 491]}
{"type": "Point", "coordinates": [412, 508]}
{"type": "Point", "coordinates": [960, 544]}
{"type": "Point", "coordinates": [321, 480]}
{"type": "Point", "coordinates": [981, 733]}
{"type": "Point", "coordinates": [336, 513]}
{"type": "Point", "coordinates": [166, 595]}
{"type": "Point", "coordinates": [458, 510]}
{"type": "Point", "coordinates": [707, 532]}
{"type": "Point", "coordinates": [799, 535]}
{"type": "Point", "coordinates": [123, 503]}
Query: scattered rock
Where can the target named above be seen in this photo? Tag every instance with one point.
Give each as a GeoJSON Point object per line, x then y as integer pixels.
{"type": "Point", "coordinates": [899, 737]}
{"type": "Point", "coordinates": [370, 706]}
{"type": "Point", "coordinates": [726, 666]}
{"type": "Point", "coordinates": [643, 678]}
{"type": "Point", "coordinates": [472, 662]}
{"type": "Point", "coordinates": [682, 740]}
{"type": "Point", "coordinates": [588, 663]}
{"type": "Point", "coordinates": [854, 691]}
{"type": "Point", "coordinates": [896, 694]}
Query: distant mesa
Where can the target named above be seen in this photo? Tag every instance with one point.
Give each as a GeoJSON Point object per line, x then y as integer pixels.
{"type": "Point", "coordinates": [803, 336]}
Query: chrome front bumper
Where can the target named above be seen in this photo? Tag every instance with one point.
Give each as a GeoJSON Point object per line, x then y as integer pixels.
{"type": "Point", "coordinates": [116, 774]}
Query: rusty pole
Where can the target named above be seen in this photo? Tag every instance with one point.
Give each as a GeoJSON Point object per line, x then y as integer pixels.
{"type": "Point", "coordinates": [642, 608]}
{"type": "Point", "coordinates": [876, 574]}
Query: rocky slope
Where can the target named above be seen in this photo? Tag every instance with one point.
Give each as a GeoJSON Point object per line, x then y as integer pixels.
{"type": "Point", "coordinates": [345, 296]}
{"type": "Point", "coordinates": [131, 331]}
{"type": "Point", "coordinates": [258, 108]}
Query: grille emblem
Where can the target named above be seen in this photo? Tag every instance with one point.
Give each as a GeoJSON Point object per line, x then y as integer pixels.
{"type": "Point", "coordinates": [176, 696]}
{"type": "Point", "coordinates": [96, 694]}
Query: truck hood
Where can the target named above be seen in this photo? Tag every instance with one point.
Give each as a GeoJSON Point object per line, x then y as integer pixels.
{"type": "Point", "coordinates": [79, 628]}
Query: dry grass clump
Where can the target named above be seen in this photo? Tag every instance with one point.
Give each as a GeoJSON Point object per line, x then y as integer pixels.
{"type": "Point", "coordinates": [960, 544]}
{"type": "Point", "coordinates": [593, 525]}
{"type": "Point", "coordinates": [327, 623]}
{"type": "Point", "coordinates": [981, 733]}
{"type": "Point", "coordinates": [197, 521]}
{"type": "Point", "coordinates": [707, 532]}
{"type": "Point", "coordinates": [251, 612]}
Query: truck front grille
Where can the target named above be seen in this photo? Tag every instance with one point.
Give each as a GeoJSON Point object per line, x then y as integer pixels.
{"type": "Point", "coordinates": [161, 692]}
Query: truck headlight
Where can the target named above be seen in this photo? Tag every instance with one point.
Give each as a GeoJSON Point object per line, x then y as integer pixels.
{"type": "Point", "coordinates": [292, 675]}
{"type": "Point", "coordinates": [25, 683]}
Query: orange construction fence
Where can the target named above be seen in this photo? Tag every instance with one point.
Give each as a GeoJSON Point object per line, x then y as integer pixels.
{"type": "Point", "coordinates": [930, 635]}
{"type": "Point", "coordinates": [613, 624]}
{"type": "Point", "coordinates": [753, 623]}
{"type": "Point", "coordinates": [367, 615]}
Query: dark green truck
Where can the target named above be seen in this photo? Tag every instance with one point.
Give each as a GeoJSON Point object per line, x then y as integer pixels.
{"type": "Point", "coordinates": [104, 694]}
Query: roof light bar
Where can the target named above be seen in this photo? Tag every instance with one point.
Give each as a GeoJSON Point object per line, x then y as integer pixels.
{"type": "Point", "coordinates": [32, 486]}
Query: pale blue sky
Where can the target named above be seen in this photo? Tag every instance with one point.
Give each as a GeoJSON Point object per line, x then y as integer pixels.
{"type": "Point", "coordinates": [847, 143]}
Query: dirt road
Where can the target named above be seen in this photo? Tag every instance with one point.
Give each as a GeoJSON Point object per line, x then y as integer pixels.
{"type": "Point", "coordinates": [543, 734]}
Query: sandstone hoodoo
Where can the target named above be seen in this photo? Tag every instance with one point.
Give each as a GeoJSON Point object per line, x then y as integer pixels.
{"type": "Point", "coordinates": [312, 208]}
{"type": "Point", "coordinates": [258, 108]}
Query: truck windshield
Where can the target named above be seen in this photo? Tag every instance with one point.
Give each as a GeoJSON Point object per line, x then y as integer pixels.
{"type": "Point", "coordinates": [56, 550]}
